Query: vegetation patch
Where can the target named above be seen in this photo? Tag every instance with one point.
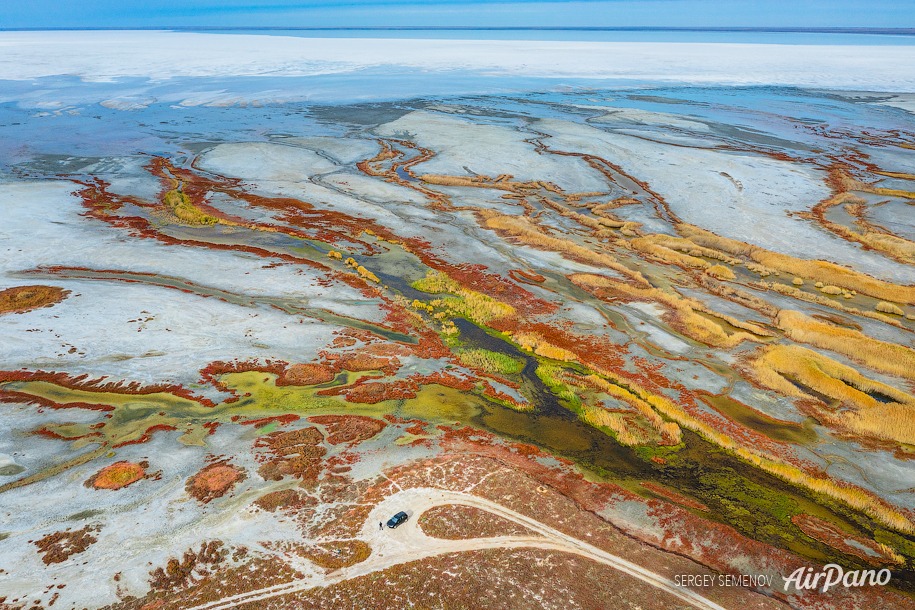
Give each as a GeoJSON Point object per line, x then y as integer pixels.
{"type": "Point", "coordinates": [338, 553]}
{"type": "Point", "coordinates": [118, 475]}
{"type": "Point", "coordinates": [181, 206]}
{"type": "Point", "coordinates": [214, 481]}
{"type": "Point", "coordinates": [59, 546]}
{"type": "Point", "coordinates": [348, 428]}
{"type": "Point", "coordinates": [297, 453]}
{"type": "Point", "coordinates": [191, 568]}
{"type": "Point", "coordinates": [280, 500]}
{"type": "Point", "coordinates": [308, 374]}
{"type": "Point", "coordinates": [874, 553]}
{"type": "Point", "coordinates": [490, 362]}
{"type": "Point", "coordinates": [21, 299]}
{"type": "Point", "coordinates": [881, 356]}
{"type": "Point", "coordinates": [466, 303]}
{"type": "Point", "coordinates": [871, 408]}
{"type": "Point", "coordinates": [459, 522]}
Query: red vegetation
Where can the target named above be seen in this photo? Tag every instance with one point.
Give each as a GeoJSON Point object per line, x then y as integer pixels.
{"type": "Point", "coordinates": [214, 481]}
{"type": "Point", "coordinates": [368, 390]}
{"type": "Point", "coordinates": [348, 428]}
{"type": "Point", "coordinates": [47, 433]}
{"type": "Point", "coordinates": [307, 374]}
{"type": "Point", "coordinates": [260, 422]}
{"type": "Point", "coordinates": [210, 373]}
{"type": "Point", "coordinates": [830, 535]}
{"type": "Point", "coordinates": [673, 496]}
{"type": "Point", "coordinates": [191, 568]}
{"type": "Point", "coordinates": [146, 436]}
{"type": "Point", "coordinates": [362, 361]}
{"type": "Point", "coordinates": [59, 546]}
{"type": "Point", "coordinates": [520, 275]}
{"type": "Point", "coordinates": [296, 453]}
{"type": "Point", "coordinates": [283, 499]}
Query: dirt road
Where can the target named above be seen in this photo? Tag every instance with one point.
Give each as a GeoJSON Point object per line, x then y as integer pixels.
{"type": "Point", "coordinates": [408, 543]}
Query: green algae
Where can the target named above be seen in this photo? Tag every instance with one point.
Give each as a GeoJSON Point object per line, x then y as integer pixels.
{"type": "Point", "coordinates": [801, 434]}
{"type": "Point", "coordinates": [755, 503]}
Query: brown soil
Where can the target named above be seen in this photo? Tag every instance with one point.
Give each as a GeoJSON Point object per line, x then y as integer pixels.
{"type": "Point", "coordinates": [338, 554]}
{"type": "Point", "coordinates": [21, 299]}
{"type": "Point", "coordinates": [59, 546]}
{"type": "Point", "coordinates": [505, 579]}
{"type": "Point", "coordinates": [118, 475]}
{"type": "Point", "coordinates": [458, 522]}
{"type": "Point", "coordinates": [214, 481]}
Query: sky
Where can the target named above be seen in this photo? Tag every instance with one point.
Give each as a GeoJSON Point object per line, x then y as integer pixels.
{"type": "Point", "coordinates": [467, 13]}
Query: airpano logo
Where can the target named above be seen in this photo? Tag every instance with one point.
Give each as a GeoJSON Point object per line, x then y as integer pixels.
{"type": "Point", "coordinates": [833, 575]}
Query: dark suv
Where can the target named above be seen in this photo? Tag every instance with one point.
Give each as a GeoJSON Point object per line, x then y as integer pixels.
{"type": "Point", "coordinates": [397, 519]}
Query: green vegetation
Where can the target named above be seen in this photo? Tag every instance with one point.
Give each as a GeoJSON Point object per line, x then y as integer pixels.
{"type": "Point", "coordinates": [490, 362]}
{"type": "Point", "coordinates": [551, 376]}
{"type": "Point", "coordinates": [766, 515]}
{"type": "Point", "coordinates": [469, 304]}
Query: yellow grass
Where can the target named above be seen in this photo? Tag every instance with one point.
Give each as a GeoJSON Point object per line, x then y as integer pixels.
{"type": "Point", "coordinates": [679, 251]}
{"type": "Point", "coordinates": [862, 415]}
{"type": "Point", "coordinates": [669, 431]}
{"type": "Point", "coordinates": [362, 271]}
{"type": "Point", "coordinates": [523, 230]}
{"type": "Point", "coordinates": [894, 193]}
{"type": "Point", "coordinates": [681, 312]}
{"type": "Point", "coordinates": [901, 175]}
{"type": "Point", "coordinates": [855, 497]}
{"type": "Point", "coordinates": [474, 306]}
{"type": "Point", "coordinates": [534, 342]}
{"type": "Point", "coordinates": [820, 300]}
{"type": "Point", "coordinates": [490, 362]}
{"type": "Point", "coordinates": [184, 210]}
{"type": "Point", "coordinates": [660, 251]}
{"type": "Point", "coordinates": [624, 432]}
{"type": "Point", "coordinates": [826, 272]}
{"type": "Point", "coordinates": [890, 308]}
{"type": "Point", "coordinates": [897, 247]}
{"type": "Point", "coordinates": [746, 299]}
{"type": "Point", "coordinates": [878, 355]}
{"type": "Point", "coordinates": [475, 181]}
{"type": "Point", "coordinates": [721, 272]}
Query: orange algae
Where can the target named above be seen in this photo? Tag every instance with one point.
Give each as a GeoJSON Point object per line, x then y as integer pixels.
{"type": "Point", "coordinates": [118, 475]}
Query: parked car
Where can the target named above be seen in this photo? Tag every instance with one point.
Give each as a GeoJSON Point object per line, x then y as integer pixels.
{"type": "Point", "coordinates": [397, 519]}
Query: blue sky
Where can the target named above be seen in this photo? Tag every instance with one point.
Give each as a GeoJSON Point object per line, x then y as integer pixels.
{"type": "Point", "coordinates": [324, 13]}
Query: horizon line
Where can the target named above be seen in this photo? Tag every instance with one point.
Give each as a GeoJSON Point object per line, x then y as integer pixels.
{"type": "Point", "coordinates": [724, 29]}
